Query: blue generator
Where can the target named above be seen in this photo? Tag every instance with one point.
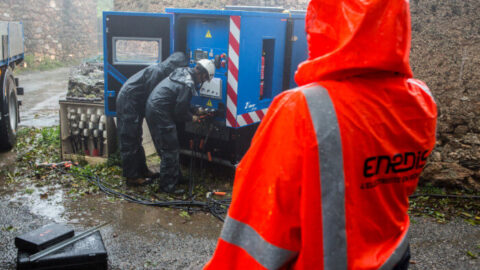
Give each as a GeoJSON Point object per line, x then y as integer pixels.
{"type": "Point", "coordinates": [255, 50]}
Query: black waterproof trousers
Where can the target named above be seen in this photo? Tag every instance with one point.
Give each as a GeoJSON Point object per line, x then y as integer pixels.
{"type": "Point", "coordinates": [166, 143]}
{"type": "Point", "coordinates": [129, 126]}
{"type": "Point", "coordinates": [131, 102]}
{"type": "Point", "coordinates": [169, 103]}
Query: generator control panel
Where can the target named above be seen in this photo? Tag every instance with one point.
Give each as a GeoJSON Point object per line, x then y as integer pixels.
{"type": "Point", "coordinates": [207, 38]}
{"type": "Point", "coordinates": [212, 89]}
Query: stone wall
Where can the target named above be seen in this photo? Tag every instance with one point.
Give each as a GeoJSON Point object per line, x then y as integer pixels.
{"type": "Point", "coordinates": [55, 29]}
{"type": "Point", "coordinates": [159, 6]}
{"type": "Point", "coordinates": [445, 54]}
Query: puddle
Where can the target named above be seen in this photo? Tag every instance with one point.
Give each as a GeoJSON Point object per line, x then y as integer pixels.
{"type": "Point", "coordinates": [53, 202]}
{"type": "Point", "coordinates": [140, 219]}
{"type": "Point", "coordinates": [44, 201]}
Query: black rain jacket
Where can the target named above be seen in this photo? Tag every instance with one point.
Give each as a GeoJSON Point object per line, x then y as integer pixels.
{"type": "Point", "coordinates": [170, 100]}
{"type": "Point", "coordinates": [139, 86]}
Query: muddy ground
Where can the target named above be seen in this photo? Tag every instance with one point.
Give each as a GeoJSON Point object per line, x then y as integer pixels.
{"type": "Point", "coordinates": [145, 237]}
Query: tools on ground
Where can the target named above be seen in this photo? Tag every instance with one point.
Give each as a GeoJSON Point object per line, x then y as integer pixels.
{"type": "Point", "coordinates": [43, 237]}
{"type": "Point", "coordinates": [55, 247]}
{"type": "Point", "coordinates": [64, 164]}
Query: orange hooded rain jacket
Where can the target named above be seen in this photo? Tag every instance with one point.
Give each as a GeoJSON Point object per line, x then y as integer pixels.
{"type": "Point", "coordinates": [325, 183]}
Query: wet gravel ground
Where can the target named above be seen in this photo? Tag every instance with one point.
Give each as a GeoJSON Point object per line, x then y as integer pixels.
{"type": "Point", "coordinates": [138, 237]}
{"type": "Point", "coordinates": [444, 246]}
{"type": "Point", "coordinates": [43, 90]}
{"type": "Point", "coordinates": [142, 237]}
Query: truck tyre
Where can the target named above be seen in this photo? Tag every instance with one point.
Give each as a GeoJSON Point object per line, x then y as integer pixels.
{"type": "Point", "coordinates": [9, 111]}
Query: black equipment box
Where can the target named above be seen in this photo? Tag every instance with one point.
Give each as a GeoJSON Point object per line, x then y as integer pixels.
{"type": "Point", "coordinates": [42, 238]}
{"type": "Point", "coordinates": [87, 253]}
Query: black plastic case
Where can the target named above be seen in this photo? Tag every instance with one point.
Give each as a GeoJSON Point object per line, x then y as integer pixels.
{"type": "Point", "coordinates": [87, 253]}
{"type": "Point", "coordinates": [42, 238]}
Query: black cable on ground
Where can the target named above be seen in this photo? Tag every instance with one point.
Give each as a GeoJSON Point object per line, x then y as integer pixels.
{"type": "Point", "coordinates": [442, 196]}
{"type": "Point", "coordinates": [217, 208]}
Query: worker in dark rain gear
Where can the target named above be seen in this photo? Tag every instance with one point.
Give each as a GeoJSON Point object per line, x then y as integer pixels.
{"type": "Point", "coordinates": [326, 181]}
{"type": "Point", "coordinates": [131, 111]}
{"type": "Point", "coordinates": [170, 103]}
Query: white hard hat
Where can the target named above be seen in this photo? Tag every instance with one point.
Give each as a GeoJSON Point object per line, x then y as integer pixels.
{"type": "Point", "coordinates": [209, 66]}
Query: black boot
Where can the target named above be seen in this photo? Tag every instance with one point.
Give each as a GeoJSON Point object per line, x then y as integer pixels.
{"type": "Point", "coordinates": [151, 174]}
{"type": "Point", "coordinates": [171, 189]}
{"type": "Point", "coordinates": [136, 182]}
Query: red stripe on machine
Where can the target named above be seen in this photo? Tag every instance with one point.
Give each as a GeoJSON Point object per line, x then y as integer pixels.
{"type": "Point", "coordinates": [236, 20]}
{"type": "Point", "coordinates": [260, 114]}
{"type": "Point", "coordinates": [234, 43]}
{"type": "Point", "coordinates": [247, 118]}
{"type": "Point", "coordinates": [231, 94]}
{"type": "Point", "coordinates": [232, 68]}
{"type": "Point", "coordinates": [232, 77]}
{"type": "Point", "coordinates": [231, 119]}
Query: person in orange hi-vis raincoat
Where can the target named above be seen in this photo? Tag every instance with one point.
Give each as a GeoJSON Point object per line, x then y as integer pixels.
{"type": "Point", "coordinates": [325, 183]}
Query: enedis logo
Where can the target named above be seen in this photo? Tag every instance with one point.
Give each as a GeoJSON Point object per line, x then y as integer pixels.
{"type": "Point", "coordinates": [398, 168]}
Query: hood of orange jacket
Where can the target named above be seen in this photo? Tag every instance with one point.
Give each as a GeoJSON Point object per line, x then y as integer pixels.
{"type": "Point", "coordinates": [352, 37]}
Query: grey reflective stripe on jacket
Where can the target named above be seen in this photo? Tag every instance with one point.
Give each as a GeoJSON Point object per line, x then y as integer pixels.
{"type": "Point", "coordinates": [332, 181]}
{"type": "Point", "coordinates": [397, 255]}
{"type": "Point", "coordinates": [243, 236]}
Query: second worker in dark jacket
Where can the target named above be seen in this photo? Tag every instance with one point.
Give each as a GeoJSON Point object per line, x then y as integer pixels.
{"type": "Point", "coordinates": [131, 111]}
{"type": "Point", "coordinates": [170, 103]}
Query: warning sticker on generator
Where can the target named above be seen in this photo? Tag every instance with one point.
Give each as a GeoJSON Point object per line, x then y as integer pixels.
{"type": "Point", "coordinates": [208, 34]}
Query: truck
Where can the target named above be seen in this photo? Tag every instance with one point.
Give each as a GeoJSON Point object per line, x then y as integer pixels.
{"type": "Point", "coordinates": [11, 55]}
{"type": "Point", "coordinates": [256, 51]}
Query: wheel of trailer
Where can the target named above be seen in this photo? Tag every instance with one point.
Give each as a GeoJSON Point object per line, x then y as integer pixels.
{"type": "Point", "coordinates": [9, 110]}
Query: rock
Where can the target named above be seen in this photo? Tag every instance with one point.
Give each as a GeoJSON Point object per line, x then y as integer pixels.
{"type": "Point", "coordinates": [450, 175]}
{"type": "Point", "coordinates": [446, 36]}
{"type": "Point", "coordinates": [436, 156]}
{"type": "Point", "coordinates": [460, 130]}
{"type": "Point", "coordinates": [47, 20]}
{"type": "Point", "coordinates": [86, 81]}
{"type": "Point", "coordinates": [471, 139]}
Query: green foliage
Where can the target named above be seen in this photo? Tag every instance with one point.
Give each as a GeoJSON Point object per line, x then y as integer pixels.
{"type": "Point", "coordinates": [9, 228]}
{"type": "Point", "coordinates": [38, 145]}
{"type": "Point", "coordinates": [471, 255]}
{"type": "Point", "coordinates": [29, 59]}
{"type": "Point", "coordinates": [429, 189]}
{"type": "Point", "coordinates": [184, 214]}
{"type": "Point", "coordinates": [444, 209]}
{"type": "Point", "coordinates": [33, 64]}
